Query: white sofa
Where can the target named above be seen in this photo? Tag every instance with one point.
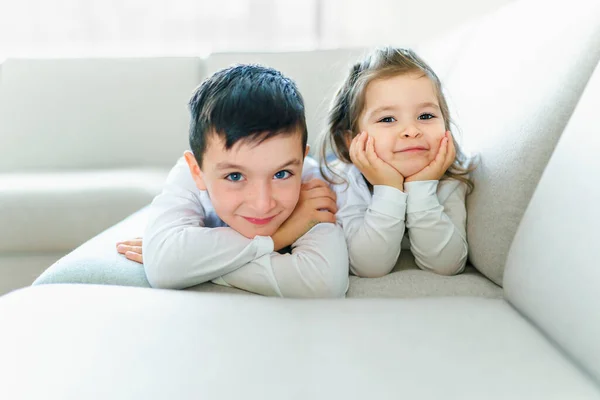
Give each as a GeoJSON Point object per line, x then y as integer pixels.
{"type": "Point", "coordinates": [512, 92]}
{"type": "Point", "coordinates": [515, 92]}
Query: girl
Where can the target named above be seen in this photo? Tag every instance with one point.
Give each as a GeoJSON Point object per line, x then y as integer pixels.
{"type": "Point", "coordinates": [398, 169]}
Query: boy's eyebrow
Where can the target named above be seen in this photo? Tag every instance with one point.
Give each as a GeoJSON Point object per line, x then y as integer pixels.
{"type": "Point", "coordinates": [228, 165]}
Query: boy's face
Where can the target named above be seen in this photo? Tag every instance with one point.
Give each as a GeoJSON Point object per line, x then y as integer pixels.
{"type": "Point", "coordinates": [253, 187]}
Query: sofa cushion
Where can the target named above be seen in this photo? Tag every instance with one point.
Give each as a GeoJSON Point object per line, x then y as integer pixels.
{"type": "Point", "coordinates": [512, 89]}
{"type": "Point", "coordinates": [414, 282]}
{"type": "Point", "coordinates": [97, 262]}
{"type": "Point", "coordinates": [95, 113]}
{"type": "Point", "coordinates": [553, 269]}
{"type": "Point", "coordinates": [97, 342]}
{"type": "Point", "coordinates": [57, 211]}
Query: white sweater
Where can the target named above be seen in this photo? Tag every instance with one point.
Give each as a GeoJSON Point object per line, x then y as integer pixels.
{"type": "Point", "coordinates": [186, 243]}
{"type": "Point", "coordinates": [432, 213]}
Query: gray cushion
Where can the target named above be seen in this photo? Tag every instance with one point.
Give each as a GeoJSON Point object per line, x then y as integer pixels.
{"type": "Point", "coordinates": [98, 342]}
{"type": "Point", "coordinates": [553, 269]}
{"type": "Point", "coordinates": [407, 280]}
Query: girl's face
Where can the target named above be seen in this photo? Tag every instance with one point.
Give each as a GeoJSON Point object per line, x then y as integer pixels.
{"type": "Point", "coordinates": [403, 115]}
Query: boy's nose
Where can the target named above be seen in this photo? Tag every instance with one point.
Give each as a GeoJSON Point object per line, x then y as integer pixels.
{"type": "Point", "coordinates": [262, 200]}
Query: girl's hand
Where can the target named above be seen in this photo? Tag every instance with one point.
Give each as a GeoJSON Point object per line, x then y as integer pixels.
{"type": "Point", "coordinates": [375, 170]}
{"type": "Point", "coordinates": [132, 249]}
{"type": "Point", "coordinates": [440, 164]}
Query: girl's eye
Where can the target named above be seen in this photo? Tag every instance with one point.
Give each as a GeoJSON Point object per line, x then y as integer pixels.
{"type": "Point", "coordinates": [234, 177]}
{"type": "Point", "coordinates": [426, 116]}
{"type": "Point", "coordinates": [283, 174]}
{"type": "Point", "coordinates": [387, 120]}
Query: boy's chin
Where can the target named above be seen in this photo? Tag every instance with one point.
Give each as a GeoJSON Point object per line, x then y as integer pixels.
{"type": "Point", "coordinates": [252, 231]}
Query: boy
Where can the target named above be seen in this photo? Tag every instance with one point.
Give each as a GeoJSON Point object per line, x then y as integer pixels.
{"type": "Point", "coordinates": [237, 198]}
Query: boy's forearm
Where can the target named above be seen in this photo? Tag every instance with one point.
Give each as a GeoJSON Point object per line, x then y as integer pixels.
{"type": "Point", "coordinates": [191, 256]}
{"type": "Point", "coordinates": [317, 267]}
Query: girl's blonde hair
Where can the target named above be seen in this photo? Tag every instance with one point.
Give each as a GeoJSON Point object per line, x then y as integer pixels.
{"type": "Point", "coordinates": [349, 100]}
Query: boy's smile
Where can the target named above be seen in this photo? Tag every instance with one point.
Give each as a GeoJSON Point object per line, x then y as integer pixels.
{"type": "Point", "coordinates": [255, 186]}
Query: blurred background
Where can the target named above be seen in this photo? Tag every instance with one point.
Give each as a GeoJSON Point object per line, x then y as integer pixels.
{"type": "Point", "coordinates": [108, 28]}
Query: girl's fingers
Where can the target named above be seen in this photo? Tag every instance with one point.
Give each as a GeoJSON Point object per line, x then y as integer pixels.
{"type": "Point", "coordinates": [353, 146]}
{"type": "Point", "coordinates": [451, 156]}
{"type": "Point", "coordinates": [371, 155]}
{"type": "Point", "coordinates": [360, 152]}
{"type": "Point", "coordinates": [440, 158]}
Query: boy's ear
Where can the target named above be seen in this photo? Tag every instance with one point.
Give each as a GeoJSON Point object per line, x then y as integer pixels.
{"type": "Point", "coordinates": [197, 175]}
{"type": "Point", "coordinates": [307, 150]}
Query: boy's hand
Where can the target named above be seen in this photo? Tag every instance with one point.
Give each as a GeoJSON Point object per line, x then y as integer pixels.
{"type": "Point", "coordinates": [440, 164]}
{"type": "Point", "coordinates": [132, 249]}
{"type": "Point", "coordinates": [377, 171]}
{"type": "Point", "coordinates": [317, 203]}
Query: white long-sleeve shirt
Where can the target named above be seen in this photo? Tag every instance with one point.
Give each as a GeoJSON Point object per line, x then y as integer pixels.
{"type": "Point", "coordinates": [429, 217]}
{"type": "Point", "coordinates": [185, 243]}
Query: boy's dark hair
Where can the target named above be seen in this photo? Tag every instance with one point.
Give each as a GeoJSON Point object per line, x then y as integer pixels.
{"type": "Point", "coordinates": [245, 102]}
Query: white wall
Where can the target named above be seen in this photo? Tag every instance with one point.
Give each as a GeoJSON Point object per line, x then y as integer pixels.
{"type": "Point", "coordinates": [404, 23]}
{"type": "Point", "coordinates": [132, 28]}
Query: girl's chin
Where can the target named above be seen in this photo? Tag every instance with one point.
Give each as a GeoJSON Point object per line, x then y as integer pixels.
{"type": "Point", "coordinates": [407, 171]}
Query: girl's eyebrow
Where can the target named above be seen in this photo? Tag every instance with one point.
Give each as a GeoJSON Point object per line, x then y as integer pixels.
{"type": "Point", "coordinates": [428, 104]}
{"type": "Point", "coordinates": [393, 108]}
{"type": "Point", "coordinates": [382, 109]}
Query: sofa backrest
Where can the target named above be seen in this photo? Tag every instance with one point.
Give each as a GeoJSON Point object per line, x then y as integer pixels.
{"type": "Point", "coordinates": [512, 90]}
{"type": "Point", "coordinates": [553, 267]}
{"type": "Point", "coordinates": [95, 113]}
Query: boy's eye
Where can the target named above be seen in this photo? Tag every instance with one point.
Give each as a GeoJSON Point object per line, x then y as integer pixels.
{"type": "Point", "coordinates": [387, 120]}
{"type": "Point", "coordinates": [283, 174]}
{"type": "Point", "coordinates": [426, 116]}
{"type": "Point", "coordinates": [234, 177]}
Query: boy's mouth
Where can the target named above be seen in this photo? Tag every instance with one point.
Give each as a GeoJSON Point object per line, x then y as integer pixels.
{"type": "Point", "coordinates": [259, 221]}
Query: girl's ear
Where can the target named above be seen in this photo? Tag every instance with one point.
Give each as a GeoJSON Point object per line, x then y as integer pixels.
{"type": "Point", "coordinates": [307, 150]}
{"type": "Point", "coordinates": [348, 136]}
{"type": "Point", "coordinates": [195, 170]}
